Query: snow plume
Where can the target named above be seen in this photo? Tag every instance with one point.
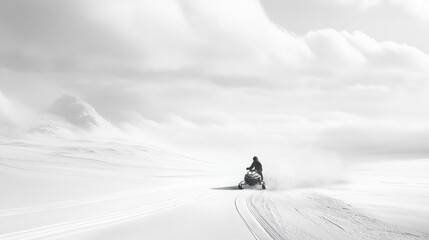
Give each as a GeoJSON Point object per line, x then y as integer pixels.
{"type": "Point", "coordinates": [303, 167]}
{"type": "Point", "coordinates": [5, 110]}
{"type": "Point", "coordinates": [13, 116]}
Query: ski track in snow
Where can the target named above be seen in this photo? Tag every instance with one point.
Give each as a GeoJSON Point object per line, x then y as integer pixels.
{"type": "Point", "coordinates": [269, 228]}
{"type": "Point", "coordinates": [76, 202]}
{"type": "Point", "coordinates": [247, 218]}
{"type": "Point", "coordinates": [312, 216]}
{"type": "Point", "coordinates": [254, 221]}
{"type": "Point", "coordinates": [105, 219]}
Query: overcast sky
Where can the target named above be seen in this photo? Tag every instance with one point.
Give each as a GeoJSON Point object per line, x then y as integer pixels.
{"type": "Point", "coordinates": [229, 76]}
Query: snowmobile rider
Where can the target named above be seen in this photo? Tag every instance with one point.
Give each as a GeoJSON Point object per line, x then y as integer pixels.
{"type": "Point", "coordinates": [257, 166]}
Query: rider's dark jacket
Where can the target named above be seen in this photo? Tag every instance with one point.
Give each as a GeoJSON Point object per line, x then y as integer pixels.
{"type": "Point", "coordinates": [257, 165]}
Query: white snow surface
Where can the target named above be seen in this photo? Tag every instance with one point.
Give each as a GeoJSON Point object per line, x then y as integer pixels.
{"type": "Point", "coordinates": [111, 189]}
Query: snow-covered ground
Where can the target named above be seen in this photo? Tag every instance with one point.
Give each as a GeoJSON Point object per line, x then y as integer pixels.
{"type": "Point", "coordinates": [396, 191]}
{"type": "Point", "coordinates": [99, 189]}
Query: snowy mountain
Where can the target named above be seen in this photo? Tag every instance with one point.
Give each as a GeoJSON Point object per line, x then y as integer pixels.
{"type": "Point", "coordinates": [77, 112]}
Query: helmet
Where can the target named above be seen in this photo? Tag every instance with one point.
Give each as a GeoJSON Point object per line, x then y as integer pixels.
{"type": "Point", "coordinates": [255, 158]}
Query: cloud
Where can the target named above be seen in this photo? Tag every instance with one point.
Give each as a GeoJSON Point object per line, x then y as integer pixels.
{"type": "Point", "coordinates": [178, 40]}
{"type": "Point", "coordinates": [212, 74]}
{"type": "Point", "coordinates": [140, 37]}
{"type": "Point", "coordinates": [418, 8]}
{"type": "Point", "coordinates": [333, 50]}
{"type": "Point", "coordinates": [363, 4]}
{"type": "Point", "coordinates": [344, 59]}
{"type": "Point", "coordinates": [375, 140]}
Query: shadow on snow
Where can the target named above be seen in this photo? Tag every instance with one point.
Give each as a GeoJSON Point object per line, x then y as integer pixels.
{"type": "Point", "coordinates": [226, 188]}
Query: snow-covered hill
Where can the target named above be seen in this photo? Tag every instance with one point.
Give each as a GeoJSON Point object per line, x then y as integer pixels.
{"type": "Point", "coordinates": [71, 116]}
{"type": "Point", "coordinates": [79, 113]}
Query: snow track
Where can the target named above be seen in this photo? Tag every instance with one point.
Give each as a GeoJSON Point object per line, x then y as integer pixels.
{"type": "Point", "coordinates": [104, 219]}
{"type": "Point", "coordinates": [75, 202]}
{"type": "Point", "coordinates": [312, 216]}
{"type": "Point", "coordinates": [255, 222]}
{"type": "Point", "coordinates": [270, 229]}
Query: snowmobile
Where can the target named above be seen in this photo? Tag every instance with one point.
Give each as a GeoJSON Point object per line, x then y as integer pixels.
{"type": "Point", "coordinates": [250, 179]}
